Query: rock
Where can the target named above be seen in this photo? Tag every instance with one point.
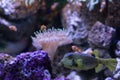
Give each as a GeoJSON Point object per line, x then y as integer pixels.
{"type": "Point", "coordinates": [17, 9]}
{"type": "Point", "coordinates": [117, 50]}
{"type": "Point", "coordinates": [108, 73]}
{"type": "Point", "coordinates": [3, 60]}
{"type": "Point", "coordinates": [109, 78]}
{"type": "Point", "coordinates": [100, 35]}
{"type": "Point", "coordinates": [72, 20]}
{"type": "Point", "coordinates": [25, 27]}
{"type": "Point", "coordinates": [61, 78]}
{"type": "Point", "coordinates": [13, 48]}
{"type": "Point", "coordinates": [73, 76]}
{"type": "Point", "coordinates": [29, 66]}
{"type": "Point", "coordinates": [103, 53]}
{"type": "Point", "coordinates": [116, 73]}
{"type": "Point", "coordinates": [113, 18]}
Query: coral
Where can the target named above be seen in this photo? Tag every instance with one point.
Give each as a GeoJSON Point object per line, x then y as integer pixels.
{"type": "Point", "coordinates": [29, 66]}
{"type": "Point", "coordinates": [49, 40]}
{"type": "Point", "coordinates": [25, 27]}
{"type": "Point", "coordinates": [16, 9]}
{"type": "Point", "coordinates": [113, 18]}
{"type": "Point", "coordinates": [74, 23]}
{"type": "Point", "coordinates": [4, 58]}
{"type": "Point", "coordinates": [100, 35]}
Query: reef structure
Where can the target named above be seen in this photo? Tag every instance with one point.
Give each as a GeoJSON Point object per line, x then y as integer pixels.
{"type": "Point", "coordinates": [74, 23]}
{"type": "Point", "coordinates": [100, 35]}
{"type": "Point", "coordinates": [4, 58]}
{"type": "Point", "coordinates": [29, 66]}
{"type": "Point", "coordinates": [17, 9]}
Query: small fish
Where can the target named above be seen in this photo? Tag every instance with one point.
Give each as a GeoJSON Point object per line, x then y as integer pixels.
{"type": "Point", "coordinates": [79, 61]}
{"type": "Point", "coordinates": [54, 6]}
{"type": "Point", "coordinates": [43, 27]}
{"type": "Point", "coordinates": [12, 28]}
{"type": "Point", "coordinates": [76, 49]}
{"type": "Point", "coordinates": [103, 5]}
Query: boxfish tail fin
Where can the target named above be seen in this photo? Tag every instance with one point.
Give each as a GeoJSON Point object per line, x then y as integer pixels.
{"type": "Point", "coordinates": [109, 63]}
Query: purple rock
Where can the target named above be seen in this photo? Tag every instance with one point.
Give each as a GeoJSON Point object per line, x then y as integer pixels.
{"type": "Point", "coordinates": [3, 59]}
{"type": "Point", "coordinates": [100, 35]}
{"type": "Point", "coordinates": [29, 66]}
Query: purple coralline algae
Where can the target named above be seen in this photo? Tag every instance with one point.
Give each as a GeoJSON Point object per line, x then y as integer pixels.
{"type": "Point", "coordinates": [100, 35]}
{"type": "Point", "coordinates": [3, 59]}
{"type": "Point", "coordinates": [29, 66]}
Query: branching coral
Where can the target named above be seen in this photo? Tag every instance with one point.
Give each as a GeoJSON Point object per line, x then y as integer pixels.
{"type": "Point", "coordinates": [50, 40]}
{"type": "Point", "coordinates": [100, 35]}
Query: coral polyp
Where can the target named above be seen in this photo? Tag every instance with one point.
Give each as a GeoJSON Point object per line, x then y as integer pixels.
{"type": "Point", "coordinates": [49, 40]}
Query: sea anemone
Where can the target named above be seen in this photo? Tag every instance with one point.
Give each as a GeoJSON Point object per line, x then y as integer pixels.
{"type": "Point", "coordinates": [49, 40]}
